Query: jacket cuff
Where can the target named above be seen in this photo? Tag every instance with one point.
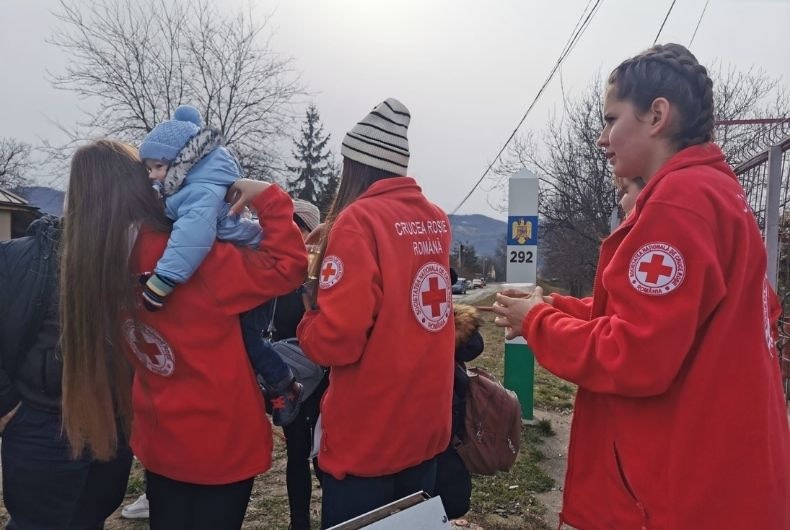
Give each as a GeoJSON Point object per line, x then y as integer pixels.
{"type": "Point", "coordinates": [536, 312]}
{"type": "Point", "coordinates": [262, 201]}
{"type": "Point", "coordinates": [160, 285]}
{"type": "Point", "coordinates": [559, 302]}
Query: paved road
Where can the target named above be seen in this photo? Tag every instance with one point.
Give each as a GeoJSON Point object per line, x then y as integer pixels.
{"type": "Point", "coordinates": [474, 296]}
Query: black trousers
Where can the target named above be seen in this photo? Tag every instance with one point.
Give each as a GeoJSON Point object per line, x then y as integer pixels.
{"type": "Point", "coordinates": [298, 442]}
{"type": "Point", "coordinates": [453, 483]}
{"type": "Point", "coordinates": [353, 496]}
{"type": "Point", "coordinates": [44, 488]}
{"type": "Point", "coordinates": [178, 505]}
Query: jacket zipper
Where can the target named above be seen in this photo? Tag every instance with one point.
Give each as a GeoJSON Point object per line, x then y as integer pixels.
{"type": "Point", "coordinates": [628, 487]}
{"type": "Point", "coordinates": [569, 473]}
{"type": "Point", "coordinates": [573, 441]}
{"type": "Point", "coordinates": [597, 280]}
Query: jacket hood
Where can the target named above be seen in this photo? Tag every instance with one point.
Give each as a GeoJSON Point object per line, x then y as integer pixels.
{"type": "Point", "coordinates": [707, 154]}
{"type": "Point", "coordinates": [200, 145]}
{"type": "Point", "coordinates": [467, 321]}
{"type": "Point", "coordinates": [391, 184]}
{"type": "Point", "coordinates": [47, 225]}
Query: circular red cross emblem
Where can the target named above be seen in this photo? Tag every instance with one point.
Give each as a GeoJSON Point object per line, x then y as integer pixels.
{"type": "Point", "coordinates": [656, 269]}
{"type": "Point", "coordinates": [331, 272]}
{"type": "Point", "coordinates": [431, 299]}
{"type": "Point", "coordinates": [150, 348]}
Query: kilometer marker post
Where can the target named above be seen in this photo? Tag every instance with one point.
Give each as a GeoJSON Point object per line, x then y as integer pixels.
{"type": "Point", "coordinates": [522, 257]}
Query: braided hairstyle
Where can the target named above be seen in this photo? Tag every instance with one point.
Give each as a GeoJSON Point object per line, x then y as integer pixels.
{"type": "Point", "coordinates": [672, 72]}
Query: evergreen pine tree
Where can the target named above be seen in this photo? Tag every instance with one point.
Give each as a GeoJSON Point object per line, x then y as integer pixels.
{"type": "Point", "coordinates": [330, 188]}
{"type": "Point", "coordinates": [315, 176]}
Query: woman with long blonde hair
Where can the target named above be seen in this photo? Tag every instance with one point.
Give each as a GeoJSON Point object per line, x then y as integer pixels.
{"type": "Point", "coordinates": [200, 427]}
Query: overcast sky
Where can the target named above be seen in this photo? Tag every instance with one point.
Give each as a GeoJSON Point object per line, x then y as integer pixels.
{"type": "Point", "coordinates": [466, 69]}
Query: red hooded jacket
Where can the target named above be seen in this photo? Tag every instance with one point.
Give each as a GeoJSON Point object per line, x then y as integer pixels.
{"type": "Point", "coordinates": [679, 420]}
{"type": "Point", "coordinates": [385, 326]}
{"type": "Point", "coordinates": [198, 413]}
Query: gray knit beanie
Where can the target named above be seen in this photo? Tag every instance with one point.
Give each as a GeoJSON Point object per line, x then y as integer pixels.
{"type": "Point", "coordinates": [308, 213]}
{"type": "Point", "coordinates": [379, 139]}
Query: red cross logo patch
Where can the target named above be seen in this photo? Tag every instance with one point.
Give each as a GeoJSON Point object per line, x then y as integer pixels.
{"type": "Point", "coordinates": [331, 272]}
{"type": "Point", "coordinates": [656, 269]}
{"type": "Point", "coordinates": [431, 297]}
{"type": "Point", "coordinates": [150, 348]}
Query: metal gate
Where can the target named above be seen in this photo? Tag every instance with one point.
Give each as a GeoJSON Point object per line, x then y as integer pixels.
{"type": "Point", "coordinates": [765, 179]}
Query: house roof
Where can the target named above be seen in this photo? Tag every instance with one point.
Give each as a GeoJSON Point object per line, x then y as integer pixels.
{"type": "Point", "coordinates": [12, 201]}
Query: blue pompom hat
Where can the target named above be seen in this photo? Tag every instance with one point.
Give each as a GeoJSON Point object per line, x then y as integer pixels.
{"type": "Point", "coordinates": [168, 138]}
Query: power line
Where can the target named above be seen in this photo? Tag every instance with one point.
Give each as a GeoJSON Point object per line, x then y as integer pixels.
{"type": "Point", "coordinates": [578, 22]}
{"type": "Point", "coordinates": [576, 34]}
{"type": "Point", "coordinates": [698, 22]}
{"type": "Point", "coordinates": [753, 121]}
{"type": "Point", "coordinates": [664, 22]}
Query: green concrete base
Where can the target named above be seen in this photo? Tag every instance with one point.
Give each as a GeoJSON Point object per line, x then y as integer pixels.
{"type": "Point", "coordinates": [520, 377]}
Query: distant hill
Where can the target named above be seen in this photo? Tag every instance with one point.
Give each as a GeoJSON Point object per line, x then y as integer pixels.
{"type": "Point", "coordinates": [48, 200]}
{"type": "Point", "coordinates": [482, 232]}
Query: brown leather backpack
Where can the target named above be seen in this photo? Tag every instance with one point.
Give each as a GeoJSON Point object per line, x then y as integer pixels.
{"type": "Point", "coordinates": [492, 425]}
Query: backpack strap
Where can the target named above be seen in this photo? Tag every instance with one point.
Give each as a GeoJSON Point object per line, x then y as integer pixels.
{"type": "Point", "coordinates": [271, 329]}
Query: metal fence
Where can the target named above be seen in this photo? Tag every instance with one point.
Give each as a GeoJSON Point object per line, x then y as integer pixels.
{"type": "Point", "coordinates": [766, 180]}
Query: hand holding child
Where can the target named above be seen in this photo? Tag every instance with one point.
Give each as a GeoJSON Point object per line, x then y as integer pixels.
{"type": "Point", "coordinates": [242, 192]}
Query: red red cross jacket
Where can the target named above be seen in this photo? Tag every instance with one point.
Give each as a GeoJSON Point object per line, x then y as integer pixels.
{"type": "Point", "coordinates": [385, 326]}
{"type": "Point", "coordinates": [198, 412]}
{"type": "Point", "coordinates": [679, 420]}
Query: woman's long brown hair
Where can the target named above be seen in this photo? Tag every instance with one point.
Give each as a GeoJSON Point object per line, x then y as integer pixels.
{"type": "Point", "coordinates": [109, 193]}
{"type": "Point", "coordinates": [355, 180]}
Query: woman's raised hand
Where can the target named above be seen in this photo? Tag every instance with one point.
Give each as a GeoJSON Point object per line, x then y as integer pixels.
{"type": "Point", "coordinates": [242, 192]}
{"type": "Point", "coordinates": [316, 236]}
{"type": "Point", "coordinates": [512, 306]}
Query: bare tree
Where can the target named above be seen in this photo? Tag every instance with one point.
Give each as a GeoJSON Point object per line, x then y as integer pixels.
{"type": "Point", "coordinates": [576, 184]}
{"type": "Point", "coordinates": [135, 62]}
{"type": "Point", "coordinates": [749, 94]}
{"type": "Point", "coordinates": [14, 163]}
{"type": "Point", "coordinates": [577, 190]}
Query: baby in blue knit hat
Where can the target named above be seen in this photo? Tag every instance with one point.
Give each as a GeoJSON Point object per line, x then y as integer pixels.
{"type": "Point", "coordinates": [192, 170]}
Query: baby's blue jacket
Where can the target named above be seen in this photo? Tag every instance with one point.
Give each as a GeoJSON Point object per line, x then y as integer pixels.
{"type": "Point", "coordinates": [200, 216]}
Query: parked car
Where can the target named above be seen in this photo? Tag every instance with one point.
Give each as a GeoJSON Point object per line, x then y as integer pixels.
{"type": "Point", "coordinates": [459, 287]}
{"type": "Point", "coordinates": [477, 283]}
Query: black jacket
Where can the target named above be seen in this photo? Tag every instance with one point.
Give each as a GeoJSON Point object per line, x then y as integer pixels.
{"type": "Point", "coordinates": [287, 315]}
{"type": "Point", "coordinates": [30, 359]}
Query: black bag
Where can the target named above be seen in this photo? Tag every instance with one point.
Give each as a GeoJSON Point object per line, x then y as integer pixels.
{"type": "Point", "coordinates": [306, 372]}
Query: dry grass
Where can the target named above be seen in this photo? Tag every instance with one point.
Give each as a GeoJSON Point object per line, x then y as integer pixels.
{"type": "Point", "coordinates": [507, 500]}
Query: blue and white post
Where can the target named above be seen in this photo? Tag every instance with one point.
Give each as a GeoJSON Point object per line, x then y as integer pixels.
{"type": "Point", "coordinates": [522, 258]}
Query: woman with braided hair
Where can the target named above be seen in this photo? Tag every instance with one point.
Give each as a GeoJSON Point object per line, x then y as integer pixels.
{"type": "Point", "coordinates": [679, 420]}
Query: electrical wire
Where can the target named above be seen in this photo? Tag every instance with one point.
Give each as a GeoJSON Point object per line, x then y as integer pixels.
{"type": "Point", "coordinates": [698, 22]}
{"type": "Point", "coordinates": [664, 22]}
{"type": "Point", "coordinates": [576, 34]}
